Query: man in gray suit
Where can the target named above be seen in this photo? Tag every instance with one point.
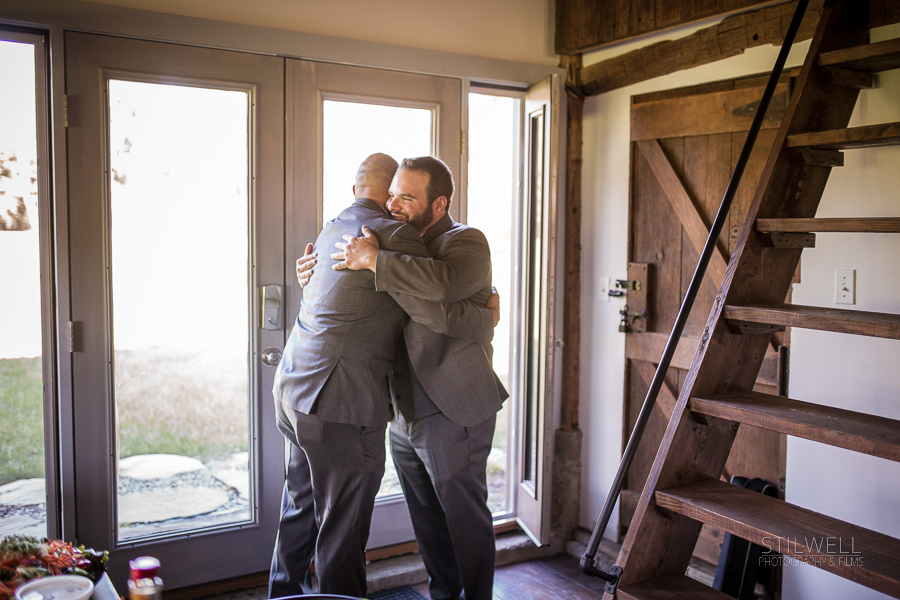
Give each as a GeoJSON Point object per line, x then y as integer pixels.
{"type": "Point", "coordinates": [445, 392]}
{"type": "Point", "coordinates": [332, 400]}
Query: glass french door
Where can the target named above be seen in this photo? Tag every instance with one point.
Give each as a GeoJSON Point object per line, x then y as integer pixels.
{"type": "Point", "coordinates": [196, 177]}
{"type": "Point", "coordinates": [176, 188]}
{"type": "Point", "coordinates": [537, 305]}
{"type": "Point", "coordinates": [337, 115]}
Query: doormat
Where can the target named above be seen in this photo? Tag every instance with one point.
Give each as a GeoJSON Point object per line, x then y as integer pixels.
{"type": "Point", "coordinates": [401, 593]}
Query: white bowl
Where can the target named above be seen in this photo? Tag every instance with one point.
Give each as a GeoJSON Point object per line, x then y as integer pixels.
{"type": "Point", "coordinates": [57, 587]}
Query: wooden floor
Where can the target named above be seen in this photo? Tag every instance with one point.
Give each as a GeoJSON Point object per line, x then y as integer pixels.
{"type": "Point", "coordinates": [556, 578]}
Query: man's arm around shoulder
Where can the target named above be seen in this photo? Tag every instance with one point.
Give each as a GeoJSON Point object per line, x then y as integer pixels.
{"type": "Point", "coordinates": [462, 268]}
{"type": "Point", "coordinates": [400, 238]}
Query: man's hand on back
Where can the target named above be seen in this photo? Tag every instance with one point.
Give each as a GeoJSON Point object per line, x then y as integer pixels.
{"type": "Point", "coordinates": [493, 305]}
{"type": "Point", "coordinates": [357, 253]}
{"type": "Point", "coordinates": [305, 265]}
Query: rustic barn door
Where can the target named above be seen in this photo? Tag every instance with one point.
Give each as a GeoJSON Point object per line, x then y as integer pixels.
{"type": "Point", "coordinates": [685, 144]}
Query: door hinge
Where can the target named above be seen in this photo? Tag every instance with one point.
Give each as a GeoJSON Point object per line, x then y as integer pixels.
{"type": "Point", "coordinates": [462, 141]}
{"type": "Point", "coordinates": [66, 124]}
{"type": "Point", "coordinates": [71, 337]}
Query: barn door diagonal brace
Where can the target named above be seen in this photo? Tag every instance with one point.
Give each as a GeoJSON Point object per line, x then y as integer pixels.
{"type": "Point", "coordinates": [587, 560]}
{"type": "Point", "coordinates": [677, 195]}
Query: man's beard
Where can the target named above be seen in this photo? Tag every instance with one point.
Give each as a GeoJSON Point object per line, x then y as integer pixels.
{"type": "Point", "coordinates": [422, 221]}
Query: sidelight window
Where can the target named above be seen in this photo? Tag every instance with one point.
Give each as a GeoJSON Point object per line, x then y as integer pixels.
{"type": "Point", "coordinates": [26, 362]}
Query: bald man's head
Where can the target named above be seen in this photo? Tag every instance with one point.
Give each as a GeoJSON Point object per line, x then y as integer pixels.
{"type": "Point", "coordinates": [374, 178]}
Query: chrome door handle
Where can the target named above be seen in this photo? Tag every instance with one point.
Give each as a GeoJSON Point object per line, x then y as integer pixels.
{"type": "Point", "coordinates": [271, 356]}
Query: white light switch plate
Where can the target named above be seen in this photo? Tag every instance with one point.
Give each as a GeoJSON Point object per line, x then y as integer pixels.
{"type": "Point", "coordinates": [604, 289]}
{"type": "Point", "coordinates": [845, 286]}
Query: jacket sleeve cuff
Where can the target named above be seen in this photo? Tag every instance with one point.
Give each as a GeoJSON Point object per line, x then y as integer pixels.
{"type": "Point", "coordinates": [383, 270]}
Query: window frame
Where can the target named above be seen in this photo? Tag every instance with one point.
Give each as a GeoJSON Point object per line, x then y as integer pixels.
{"type": "Point", "coordinates": [48, 282]}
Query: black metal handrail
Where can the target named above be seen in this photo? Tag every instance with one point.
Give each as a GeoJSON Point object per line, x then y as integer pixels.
{"type": "Point", "coordinates": [587, 559]}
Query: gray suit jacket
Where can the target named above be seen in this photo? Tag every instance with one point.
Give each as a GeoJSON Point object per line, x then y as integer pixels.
{"type": "Point", "coordinates": [337, 358]}
{"type": "Point", "coordinates": [454, 372]}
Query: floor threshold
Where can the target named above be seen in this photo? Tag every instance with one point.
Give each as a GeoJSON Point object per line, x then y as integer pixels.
{"type": "Point", "coordinates": [407, 569]}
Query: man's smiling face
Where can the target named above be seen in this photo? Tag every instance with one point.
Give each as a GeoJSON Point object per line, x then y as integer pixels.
{"type": "Point", "coordinates": [408, 199]}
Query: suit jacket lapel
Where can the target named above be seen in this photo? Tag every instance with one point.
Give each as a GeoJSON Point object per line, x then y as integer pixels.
{"type": "Point", "coordinates": [437, 230]}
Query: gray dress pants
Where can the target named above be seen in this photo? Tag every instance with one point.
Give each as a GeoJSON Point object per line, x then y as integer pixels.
{"type": "Point", "coordinates": [443, 472]}
{"type": "Point", "coordinates": [295, 546]}
{"type": "Point", "coordinates": [345, 465]}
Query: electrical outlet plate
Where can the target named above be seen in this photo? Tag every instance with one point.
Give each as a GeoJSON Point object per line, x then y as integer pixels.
{"type": "Point", "coordinates": [845, 286]}
{"type": "Point", "coordinates": [604, 289]}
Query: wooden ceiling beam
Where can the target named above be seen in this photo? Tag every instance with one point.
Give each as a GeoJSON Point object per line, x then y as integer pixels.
{"type": "Point", "coordinates": [588, 24]}
{"type": "Point", "coordinates": [729, 37]}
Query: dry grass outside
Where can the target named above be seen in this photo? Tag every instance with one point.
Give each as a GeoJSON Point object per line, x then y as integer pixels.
{"type": "Point", "coordinates": [168, 402]}
{"type": "Point", "coordinates": [187, 403]}
{"type": "Point", "coordinates": [22, 415]}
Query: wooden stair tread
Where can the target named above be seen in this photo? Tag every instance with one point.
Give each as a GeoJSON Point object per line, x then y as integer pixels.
{"type": "Point", "coordinates": [856, 322]}
{"type": "Point", "coordinates": [869, 434]}
{"type": "Point", "coordinates": [855, 553]}
{"type": "Point", "coordinates": [846, 225]}
{"type": "Point", "coordinates": [669, 587]}
{"type": "Point", "coordinates": [879, 56]}
{"type": "Point", "coordinates": [867, 136]}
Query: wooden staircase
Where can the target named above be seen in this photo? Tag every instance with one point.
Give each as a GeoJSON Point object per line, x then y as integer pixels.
{"type": "Point", "coordinates": [684, 490]}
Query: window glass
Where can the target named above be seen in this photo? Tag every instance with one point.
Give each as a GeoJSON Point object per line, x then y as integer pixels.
{"type": "Point", "coordinates": [355, 130]}
{"type": "Point", "coordinates": [22, 490]}
{"type": "Point", "coordinates": [179, 248]}
{"type": "Point", "coordinates": [352, 132]}
{"type": "Point", "coordinates": [492, 193]}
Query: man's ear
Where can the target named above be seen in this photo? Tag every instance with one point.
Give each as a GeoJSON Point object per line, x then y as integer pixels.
{"type": "Point", "coordinates": [439, 206]}
{"type": "Point", "coordinates": [354, 190]}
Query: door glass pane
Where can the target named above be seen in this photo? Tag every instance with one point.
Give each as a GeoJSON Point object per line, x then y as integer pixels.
{"type": "Point", "coordinates": [22, 495]}
{"type": "Point", "coordinates": [352, 132]}
{"type": "Point", "coordinates": [179, 248]}
{"type": "Point", "coordinates": [493, 138]}
{"type": "Point", "coordinates": [533, 313]}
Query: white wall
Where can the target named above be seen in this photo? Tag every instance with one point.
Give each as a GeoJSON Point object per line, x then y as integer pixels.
{"type": "Point", "coordinates": [519, 30]}
{"type": "Point", "coordinates": [857, 488]}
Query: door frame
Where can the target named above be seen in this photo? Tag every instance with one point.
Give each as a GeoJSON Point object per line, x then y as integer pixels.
{"type": "Point", "coordinates": [543, 184]}
{"type": "Point", "coordinates": [50, 369]}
